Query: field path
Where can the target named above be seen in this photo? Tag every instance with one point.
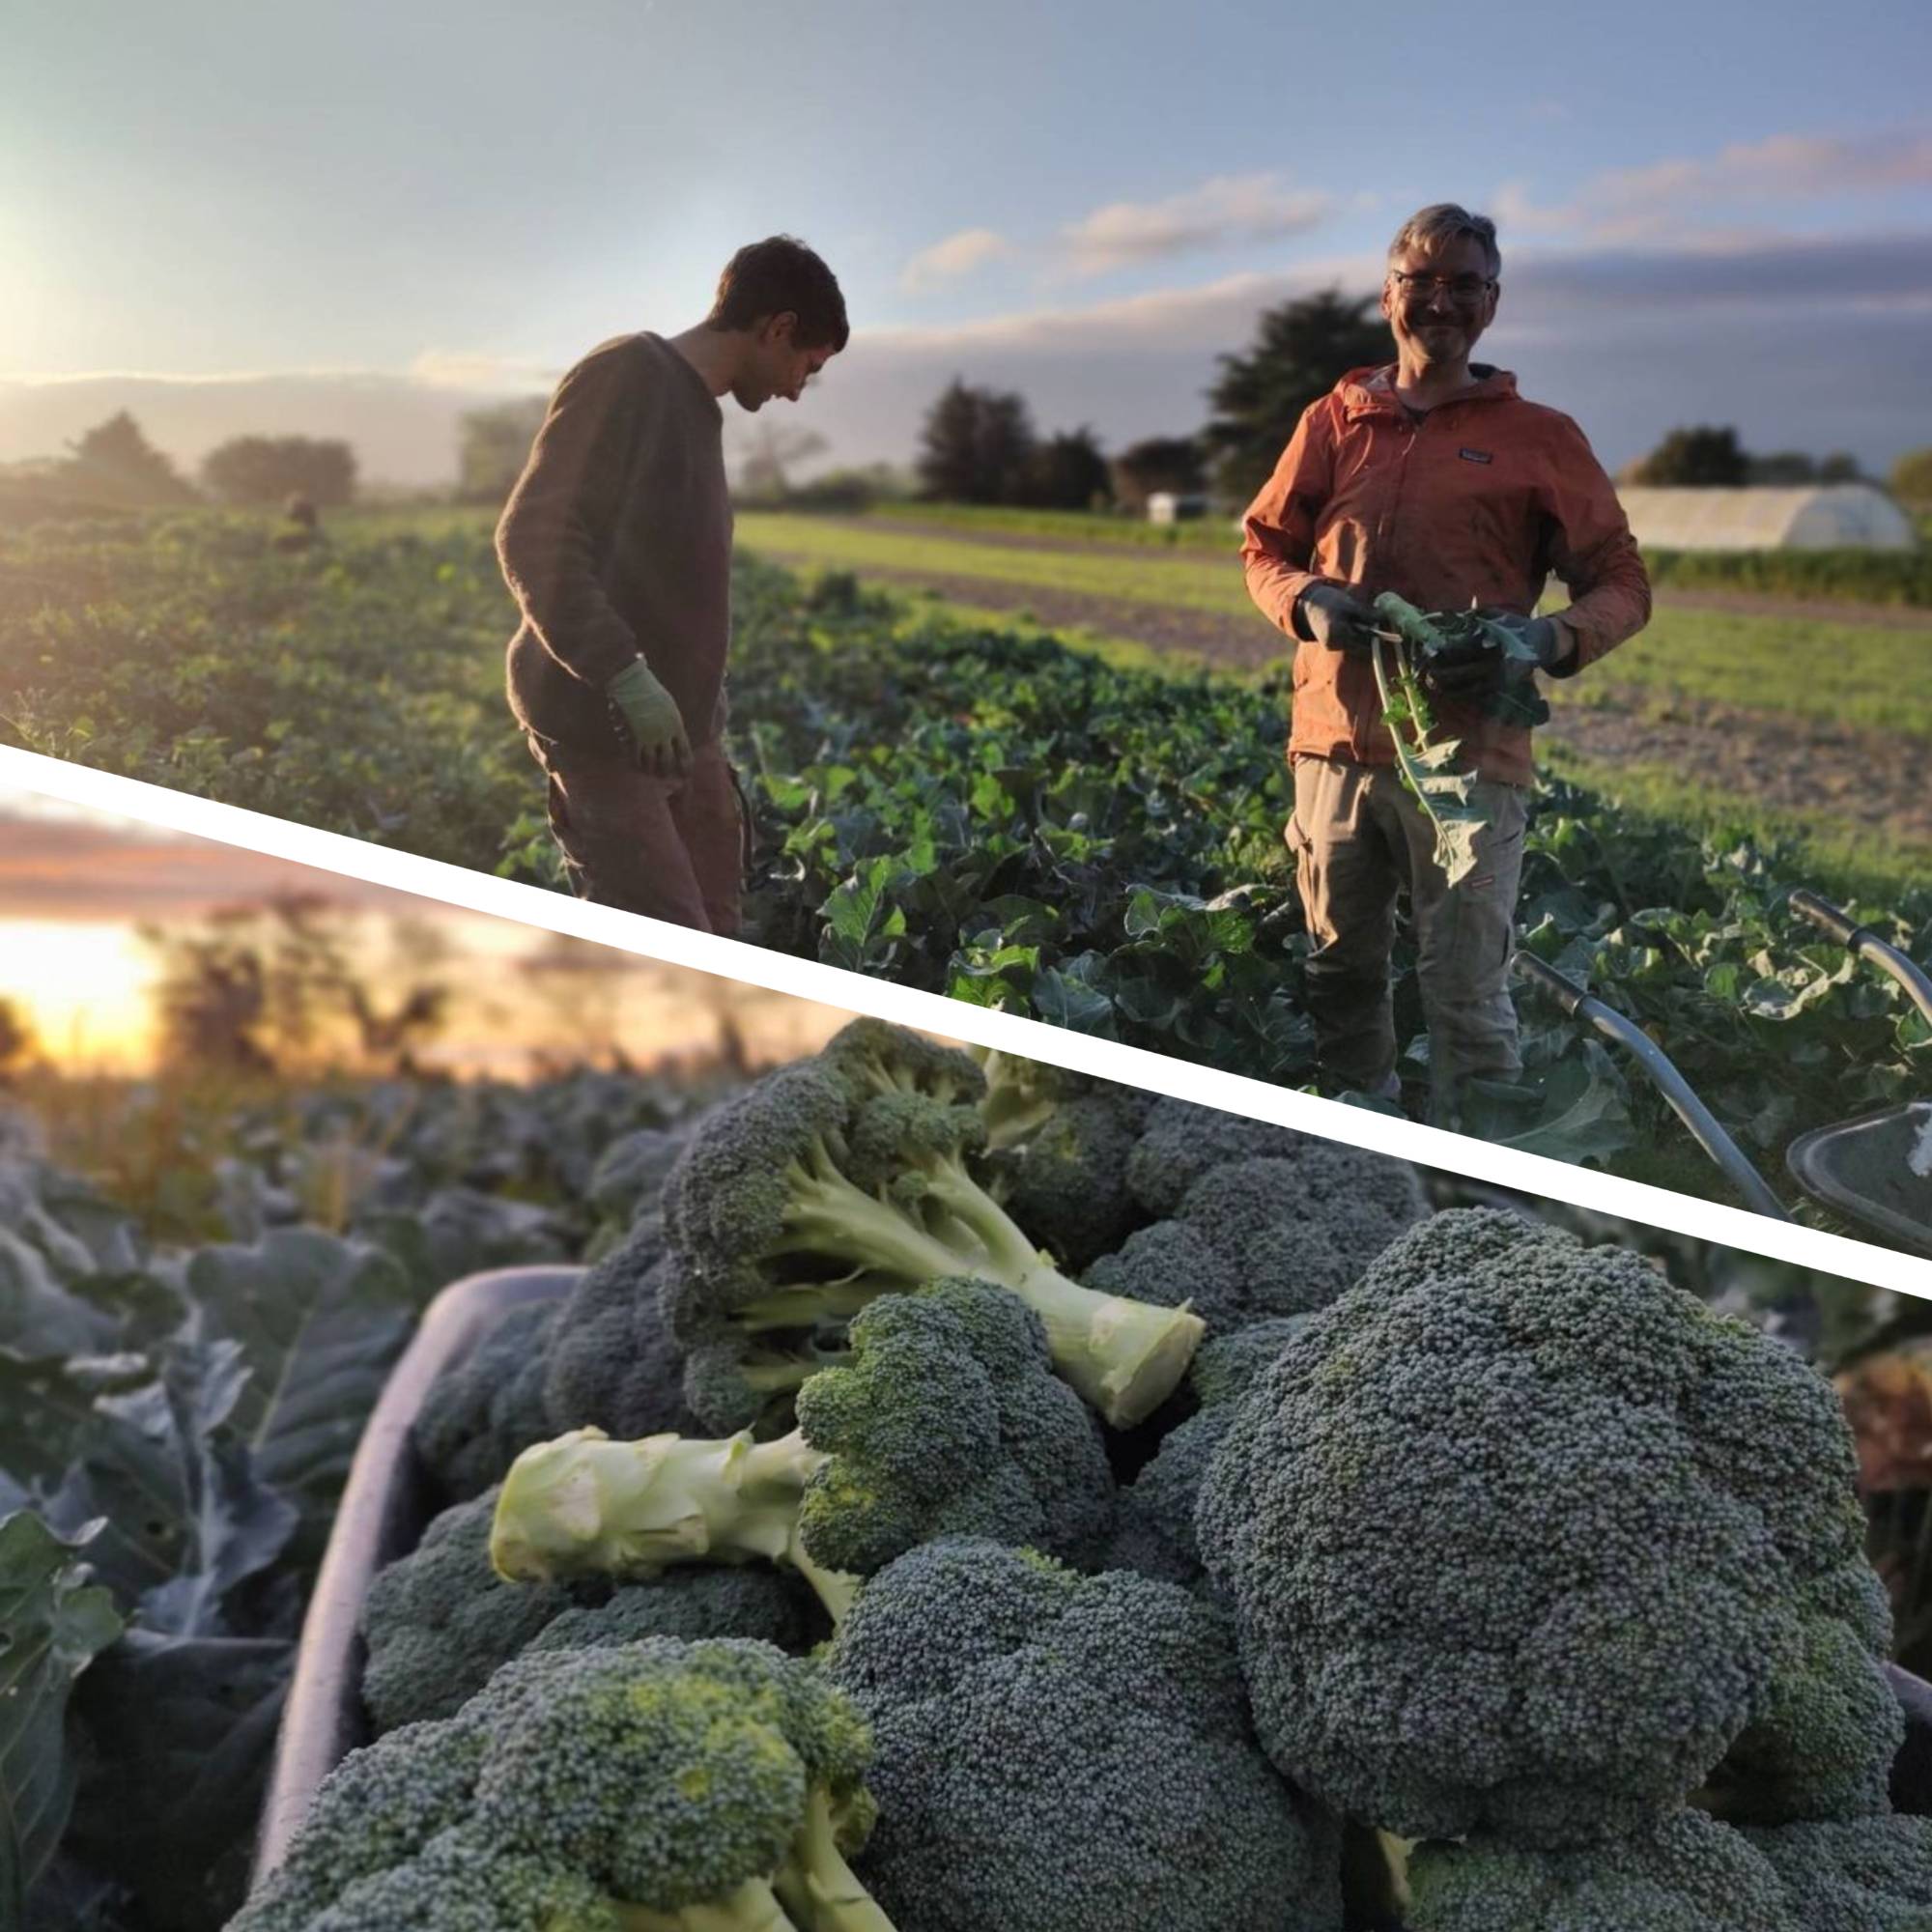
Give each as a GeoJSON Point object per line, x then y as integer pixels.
{"type": "Point", "coordinates": [1813, 768]}
{"type": "Point", "coordinates": [1741, 602]}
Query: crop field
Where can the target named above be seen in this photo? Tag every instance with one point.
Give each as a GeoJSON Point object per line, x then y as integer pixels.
{"type": "Point", "coordinates": [954, 798]}
{"type": "Point", "coordinates": [1810, 714]}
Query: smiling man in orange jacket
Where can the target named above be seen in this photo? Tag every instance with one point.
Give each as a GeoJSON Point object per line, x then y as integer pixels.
{"type": "Point", "coordinates": [1433, 479]}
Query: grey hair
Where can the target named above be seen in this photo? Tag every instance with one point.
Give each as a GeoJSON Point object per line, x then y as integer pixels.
{"type": "Point", "coordinates": [1445, 221]}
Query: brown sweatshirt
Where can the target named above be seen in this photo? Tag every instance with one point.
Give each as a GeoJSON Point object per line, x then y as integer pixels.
{"type": "Point", "coordinates": [616, 542]}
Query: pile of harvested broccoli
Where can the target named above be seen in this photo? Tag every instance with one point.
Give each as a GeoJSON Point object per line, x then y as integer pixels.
{"type": "Point", "coordinates": [971, 1498]}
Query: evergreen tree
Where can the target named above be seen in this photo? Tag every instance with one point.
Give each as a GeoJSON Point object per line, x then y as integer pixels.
{"type": "Point", "coordinates": [1300, 351]}
{"type": "Point", "coordinates": [976, 446]}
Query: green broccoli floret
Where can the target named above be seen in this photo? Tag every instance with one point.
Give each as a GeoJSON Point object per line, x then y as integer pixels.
{"type": "Point", "coordinates": [1518, 1537]}
{"type": "Point", "coordinates": [1260, 1236]}
{"type": "Point", "coordinates": [653, 1787]}
{"type": "Point", "coordinates": [441, 1622]}
{"type": "Point", "coordinates": [1854, 1875]}
{"type": "Point", "coordinates": [1688, 1874]}
{"type": "Point", "coordinates": [949, 1419]}
{"type": "Point", "coordinates": [1181, 1142]}
{"type": "Point", "coordinates": [482, 1411]}
{"type": "Point", "coordinates": [849, 1175]}
{"type": "Point", "coordinates": [1066, 1184]}
{"type": "Point", "coordinates": [746, 1602]}
{"type": "Point", "coordinates": [1059, 1752]}
{"type": "Point", "coordinates": [612, 1364]}
{"type": "Point", "coordinates": [1154, 1531]}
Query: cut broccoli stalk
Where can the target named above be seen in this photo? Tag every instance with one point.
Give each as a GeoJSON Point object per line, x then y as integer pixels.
{"type": "Point", "coordinates": [1125, 1357]}
{"type": "Point", "coordinates": [584, 1505]}
{"type": "Point", "coordinates": [817, 1887]}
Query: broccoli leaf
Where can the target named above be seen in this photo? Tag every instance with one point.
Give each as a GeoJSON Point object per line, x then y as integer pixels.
{"type": "Point", "coordinates": [320, 1322]}
{"type": "Point", "coordinates": [52, 1625]}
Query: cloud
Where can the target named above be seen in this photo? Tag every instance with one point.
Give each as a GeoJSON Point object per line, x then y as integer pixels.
{"type": "Point", "coordinates": [1669, 197]}
{"type": "Point", "coordinates": [475, 369]}
{"type": "Point", "coordinates": [957, 255]}
{"type": "Point", "coordinates": [1228, 209]}
{"type": "Point", "coordinates": [102, 869]}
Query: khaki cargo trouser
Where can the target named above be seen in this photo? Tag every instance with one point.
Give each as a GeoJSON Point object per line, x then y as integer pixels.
{"type": "Point", "coordinates": [1359, 838]}
{"type": "Point", "coordinates": [669, 848]}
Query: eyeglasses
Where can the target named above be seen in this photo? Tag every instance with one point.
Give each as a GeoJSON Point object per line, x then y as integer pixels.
{"type": "Point", "coordinates": [1462, 288]}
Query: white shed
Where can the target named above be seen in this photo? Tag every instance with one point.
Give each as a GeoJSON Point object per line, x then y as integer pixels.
{"type": "Point", "coordinates": [1171, 506]}
{"type": "Point", "coordinates": [1809, 516]}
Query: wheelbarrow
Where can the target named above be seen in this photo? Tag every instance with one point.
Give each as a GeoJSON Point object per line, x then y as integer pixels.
{"type": "Point", "coordinates": [1875, 1170]}
{"type": "Point", "coordinates": [390, 1498]}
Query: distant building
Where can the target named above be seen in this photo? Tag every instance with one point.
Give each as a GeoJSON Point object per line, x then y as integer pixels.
{"type": "Point", "coordinates": [1808, 516]}
{"type": "Point", "coordinates": [1169, 506]}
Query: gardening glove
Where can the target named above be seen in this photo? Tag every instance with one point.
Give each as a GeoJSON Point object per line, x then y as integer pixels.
{"type": "Point", "coordinates": [1336, 617]}
{"type": "Point", "coordinates": [1470, 676]}
{"type": "Point", "coordinates": [651, 721]}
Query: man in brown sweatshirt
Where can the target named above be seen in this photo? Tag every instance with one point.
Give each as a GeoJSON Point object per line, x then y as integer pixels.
{"type": "Point", "coordinates": [616, 545]}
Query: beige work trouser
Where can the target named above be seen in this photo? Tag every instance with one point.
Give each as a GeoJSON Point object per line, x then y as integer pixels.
{"type": "Point", "coordinates": [1359, 838]}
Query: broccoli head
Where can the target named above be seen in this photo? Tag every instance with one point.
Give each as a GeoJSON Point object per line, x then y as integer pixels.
{"type": "Point", "coordinates": [1182, 1143]}
{"type": "Point", "coordinates": [1688, 1873]}
{"type": "Point", "coordinates": [611, 1364]}
{"type": "Point", "coordinates": [1155, 1529]}
{"type": "Point", "coordinates": [487, 1407]}
{"type": "Point", "coordinates": [1853, 1875]}
{"type": "Point", "coordinates": [1066, 1184]}
{"type": "Point", "coordinates": [441, 1622]}
{"type": "Point", "coordinates": [1260, 1236]}
{"type": "Point", "coordinates": [1521, 1538]}
{"type": "Point", "coordinates": [949, 1419]}
{"type": "Point", "coordinates": [1059, 1752]}
{"type": "Point", "coordinates": [852, 1174]}
{"type": "Point", "coordinates": [654, 1787]}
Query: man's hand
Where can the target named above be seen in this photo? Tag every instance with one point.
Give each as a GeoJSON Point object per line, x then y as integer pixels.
{"type": "Point", "coordinates": [1548, 641]}
{"type": "Point", "coordinates": [1336, 617]}
{"type": "Point", "coordinates": [1472, 676]}
{"type": "Point", "coordinates": [651, 715]}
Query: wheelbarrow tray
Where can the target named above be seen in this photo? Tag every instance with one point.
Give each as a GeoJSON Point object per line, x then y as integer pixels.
{"type": "Point", "coordinates": [386, 1504]}
{"type": "Point", "coordinates": [1866, 1169]}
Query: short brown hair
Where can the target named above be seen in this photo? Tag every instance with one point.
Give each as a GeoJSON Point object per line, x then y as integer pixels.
{"type": "Point", "coordinates": [775, 275]}
{"type": "Point", "coordinates": [1444, 221]}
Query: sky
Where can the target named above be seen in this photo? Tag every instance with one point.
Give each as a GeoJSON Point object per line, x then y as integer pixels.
{"type": "Point", "coordinates": [76, 884]}
{"type": "Point", "coordinates": [376, 214]}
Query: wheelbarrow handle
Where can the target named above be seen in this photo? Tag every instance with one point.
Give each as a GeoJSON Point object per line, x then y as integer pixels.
{"type": "Point", "coordinates": [1697, 1118]}
{"type": "Point", "coordinates": [1827, 916]}
{"type": "Point", "coordinates": [1564, 991]}
{"type": "Point", "coordinates": [1862, 941]}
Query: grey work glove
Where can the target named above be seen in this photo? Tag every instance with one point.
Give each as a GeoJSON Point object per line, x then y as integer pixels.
{"type": "Point", "coordinates": [651, 719]}
{"type": "Point", "coordinates": [1470, 678]}
{"type": "Point", "coordinates": [1336, 617]}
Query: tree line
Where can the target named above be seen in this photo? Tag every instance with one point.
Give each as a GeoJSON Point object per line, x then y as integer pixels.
{"type": "Point", "coordinates": [114, 464]}
{"type": "Point", "coordinates": [976, 444]}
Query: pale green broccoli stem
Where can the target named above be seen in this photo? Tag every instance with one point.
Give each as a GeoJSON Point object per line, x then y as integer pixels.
{"type": "Point", "coordinates": [815, 1883]}
{"type": "Point", "coordinates": [587, 1506]}
{"type": "Point", "coordinates": [754, 1906]}
{"type": "Point", "coordinates": [1123, 1357]}
{"type": "Point", "coordinates": [775, 1375]}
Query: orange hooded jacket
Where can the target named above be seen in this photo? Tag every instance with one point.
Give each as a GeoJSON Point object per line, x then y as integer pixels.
{"type": "Point", "coordinates": [1480, 500]}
